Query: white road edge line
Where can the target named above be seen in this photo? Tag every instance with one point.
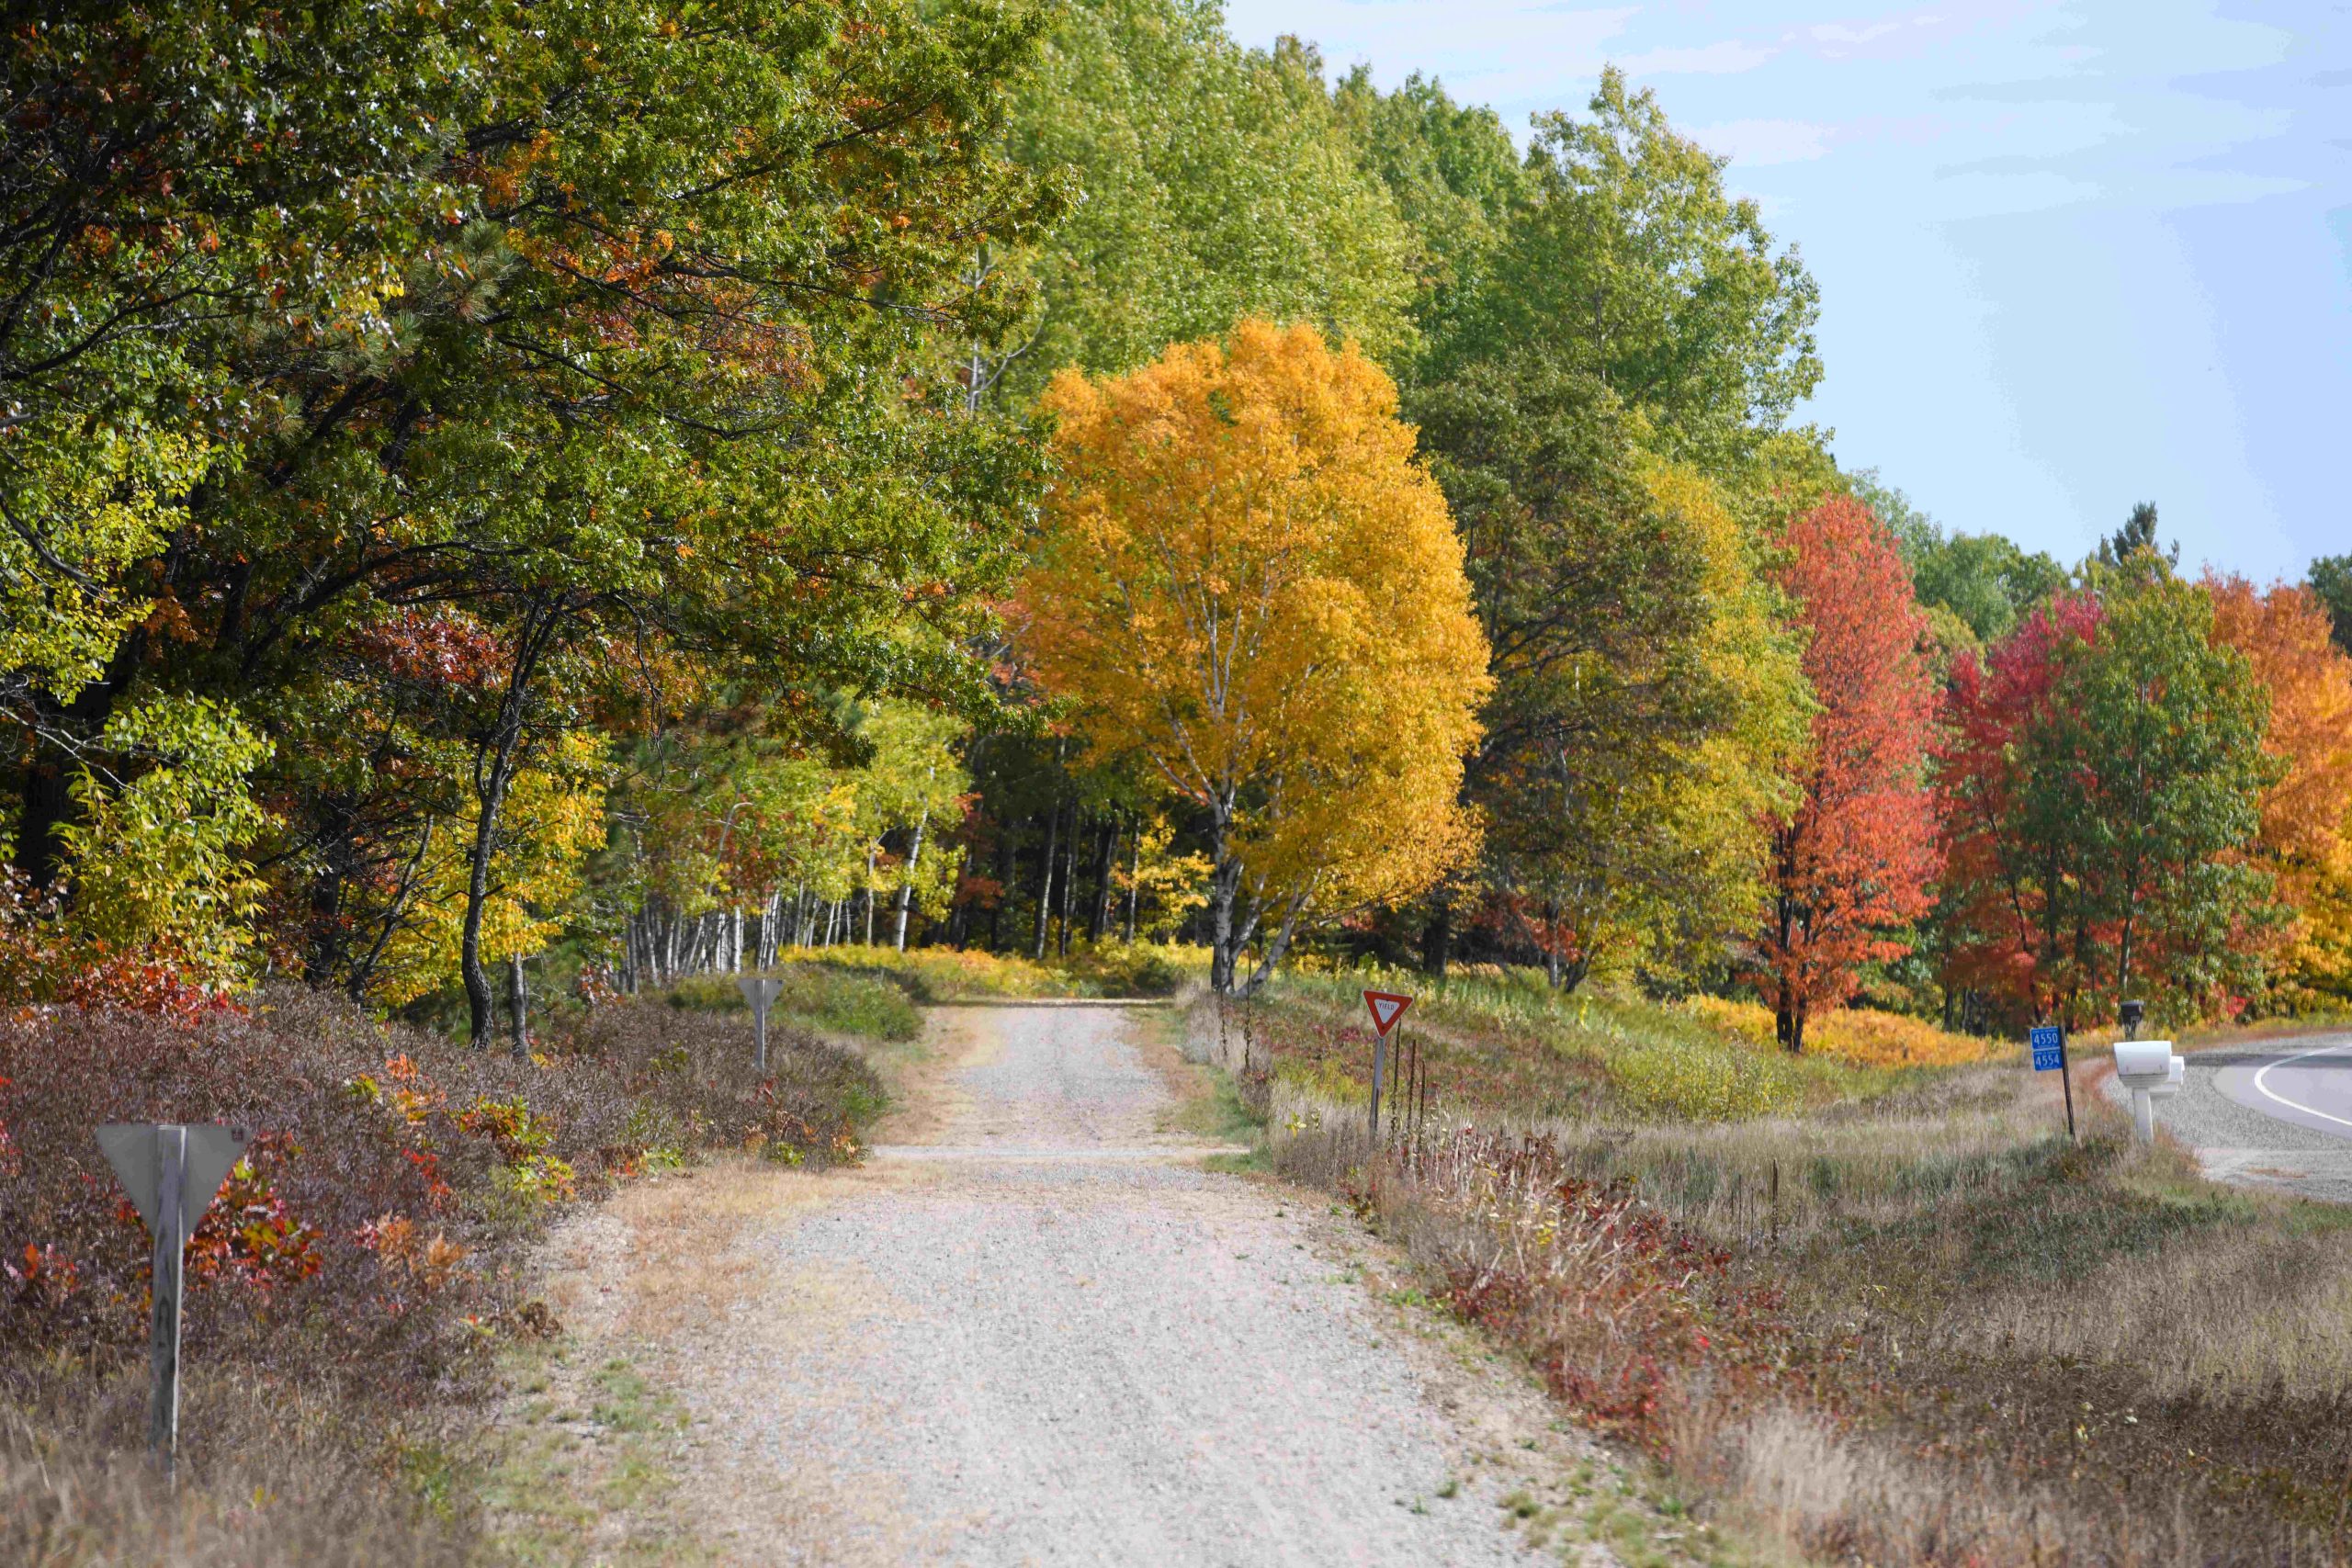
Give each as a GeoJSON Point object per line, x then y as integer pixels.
{"type": "Point", "coordinates": [2268, 1093]}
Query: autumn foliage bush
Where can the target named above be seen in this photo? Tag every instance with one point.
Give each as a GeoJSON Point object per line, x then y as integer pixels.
{"type": "Point", "coordinates": [366, 1249]}
{"type": "Point", "coordinates": [1864, 1036]}
{"type": "Point", "coordinates": [385, 1164]}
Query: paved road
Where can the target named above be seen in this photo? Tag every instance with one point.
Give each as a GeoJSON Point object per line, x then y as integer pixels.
{"type": "Point", "coordinates": [1034, 1330]}
{"type": "Point", "coordinates": [2278, 1114]}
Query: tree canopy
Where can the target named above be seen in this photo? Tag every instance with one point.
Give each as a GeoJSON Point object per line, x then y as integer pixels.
{"type": "Point", "coordinates": [1247, 583]}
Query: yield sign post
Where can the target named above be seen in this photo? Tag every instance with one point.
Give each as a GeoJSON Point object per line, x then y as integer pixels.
{"type": "Point", "coordinates": [760, 995]}
{"type": "Point", "coordinates": [172, 1172]}
{"type": "Point", "coordinates": [1386, 1006]}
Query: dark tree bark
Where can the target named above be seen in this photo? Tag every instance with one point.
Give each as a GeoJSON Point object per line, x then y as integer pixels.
{"type": "Point", "coordinates": [1069, 883]}
{"type": "Point", "coordinates": [1105, 839]}
{"type": "Point", "coordinates": [1437, 936]}
{"type": "Point", "coordinates": [500, 750]}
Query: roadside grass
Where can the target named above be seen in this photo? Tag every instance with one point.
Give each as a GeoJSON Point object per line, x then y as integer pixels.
{"type": "Point", "coordinates": [353, 1290]}
{"type": "Point", "coordinates": [564, 1485]}
{"type": "Point", "coordinates": [1493, 1036]}
{"type": "Point", "coordinates": [1893, 1316]}
{"type": "Point", "coordinates": [821, 996]}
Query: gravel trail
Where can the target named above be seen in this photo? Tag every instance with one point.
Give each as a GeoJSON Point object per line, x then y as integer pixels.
{"type": "Point", "coordinates": [1034, 1329]}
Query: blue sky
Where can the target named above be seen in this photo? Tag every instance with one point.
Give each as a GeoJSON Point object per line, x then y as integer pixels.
{"type": "Point", "coordinates": [2071, 255]}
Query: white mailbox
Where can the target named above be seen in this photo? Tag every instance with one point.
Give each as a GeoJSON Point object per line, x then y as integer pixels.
{"type": "Point", "coordinates": [2175, 1080]}
{"type": "Point", "coordinates": [2147, 1067]}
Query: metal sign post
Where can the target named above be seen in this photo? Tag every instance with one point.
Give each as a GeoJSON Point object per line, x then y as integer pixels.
{"type": "Point", "coordinates": [1386, 1008]}
{"type": "Point", "coordinates": [2049, 1054]}
{"type": "Point", "coordinates": [759, 995]}
{"type": "Point", "coordinates": [172, 1172]}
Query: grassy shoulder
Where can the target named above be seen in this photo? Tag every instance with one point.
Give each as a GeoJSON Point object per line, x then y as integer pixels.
{"type": "Point", "coordinates": [1496, 1037]}
{"type": "Point", "coordinates": [1878, 1313]}
{"type": "Point", "coordinates": [359, 1284]}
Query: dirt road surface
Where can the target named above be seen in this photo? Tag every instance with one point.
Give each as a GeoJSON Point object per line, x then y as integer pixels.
{"type": "Point", "coordinates": [1034, 1330]}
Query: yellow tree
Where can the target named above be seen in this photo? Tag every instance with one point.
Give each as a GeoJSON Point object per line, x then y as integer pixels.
{"type": "Point", "coordinates": [2307, 814]}
{"type": "Point", "coordinates": [1248, 581]}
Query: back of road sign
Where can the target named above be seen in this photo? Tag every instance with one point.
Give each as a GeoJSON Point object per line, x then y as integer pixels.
{"type": "Point", "coordinates": [2048, 1047]}
{"type": "Point", "coordinates": [760, 994]}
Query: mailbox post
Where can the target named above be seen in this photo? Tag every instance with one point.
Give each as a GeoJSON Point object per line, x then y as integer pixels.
{"type": "Point", "coordinates": [2148, 1069]}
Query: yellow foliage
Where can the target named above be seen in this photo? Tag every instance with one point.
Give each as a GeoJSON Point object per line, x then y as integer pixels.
{"type": "Point", "coordinates": [552, 821]}
{"type": "Point", "coordinates": [1863, 1036]}
{"type": "Point", "coordinates": [2307, 813]}
{"type": "Point", "coordinates": [1675, 853]}
{"type": "Point", "coordinates": [1248, 583]}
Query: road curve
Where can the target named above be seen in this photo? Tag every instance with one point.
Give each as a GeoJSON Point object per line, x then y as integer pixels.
{"type": "Point", "coordinates": [2277, 1114]}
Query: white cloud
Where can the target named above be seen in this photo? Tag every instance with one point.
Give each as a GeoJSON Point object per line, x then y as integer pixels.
{"type": "Point", "coordinates": [1757, 142]}
{"type": "Point", "coordinates": [1727, 58]}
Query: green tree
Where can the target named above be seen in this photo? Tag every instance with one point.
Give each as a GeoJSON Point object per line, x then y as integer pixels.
{"type": "Point", "coordinates": [1645, 702]}
{"type": "Point", "coordinates": [632, 381]}
{"type": "Point", "coordinates": [1986, 582]}
{"type": "Point", "coordinates": [2330, 579]}
{"type": "Point", "coordinates": [2137, 534]}
{"type": "Point", "coordinates": [2101, 786]}
{"type": "Point", "coordinates": [1626, 260]}
{"type": "Point", "coordinates": [1213, 183]}
{"type": "Point", "coordinates": [1456, 180]}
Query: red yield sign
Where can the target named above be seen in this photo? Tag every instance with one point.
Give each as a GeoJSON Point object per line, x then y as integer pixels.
{"type": "Point", "coordinates": [1386, 1006]}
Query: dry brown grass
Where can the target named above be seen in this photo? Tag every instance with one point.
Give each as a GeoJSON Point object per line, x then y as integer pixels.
{"type": "Point", "coordinates": [1974, 1343]}
{"type": "Point", "coordinates": [269, 1477]}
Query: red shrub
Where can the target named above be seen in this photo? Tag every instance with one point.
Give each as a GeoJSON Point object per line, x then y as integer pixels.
{"type": "Point", "coordinates": [386, 1158]}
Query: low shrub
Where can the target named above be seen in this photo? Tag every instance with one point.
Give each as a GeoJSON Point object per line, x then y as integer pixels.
{"type": "Point", "coordinates": [363, 1255]}
{"type": "Point", "coordinates": [819, 994]}
{"type": "Point", "coordinates": [947, 975]}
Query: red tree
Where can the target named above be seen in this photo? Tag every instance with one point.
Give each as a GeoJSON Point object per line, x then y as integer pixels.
{"type": "Point", "coordinates": [1856, 860]}
{"type": "Point", "coordinates": [1999, 882]}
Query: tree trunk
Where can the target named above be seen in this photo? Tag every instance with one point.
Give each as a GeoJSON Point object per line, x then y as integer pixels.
{"type": "Point", "coordinates": [1437, 937]}
{"type": "Point", "coordinates": [1280, 945]}
{"type": "Point", "coordinates": [1069, 883]}
{"type": "Point", "coordinates": [906, 883]}
{"type": "Point", "coordinates": [540, 623]}
{"type": "Point", "coordinates": [1105, 840]}
{"type": "Point", "coordinates": [46, 801]}
{"type": "Point", "coordinates": [1225, 941]}
{"type": "Point", "coordinates": [1045, 878]}
{"type": "Point", "coordinates": [869, 894]}
{"type": "Point", "coordinates": [1134, 877]}
{"type": "Point", "coordinates": [494, 796]}
{"type": "Point", "coordinates": [1005, 857]}
{"type": "Point", "coordinates": [326, 943]}
{"type": "Point", "coordinates": [518, 1003]}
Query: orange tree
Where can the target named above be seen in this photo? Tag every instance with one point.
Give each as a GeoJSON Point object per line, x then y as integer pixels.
{"type": "Point", "coordinates": [1247, 584]}
{"type": "Point", "coordinates": [2306, 833]}
{"type": "Point", "coordinates": [1854, 862]}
